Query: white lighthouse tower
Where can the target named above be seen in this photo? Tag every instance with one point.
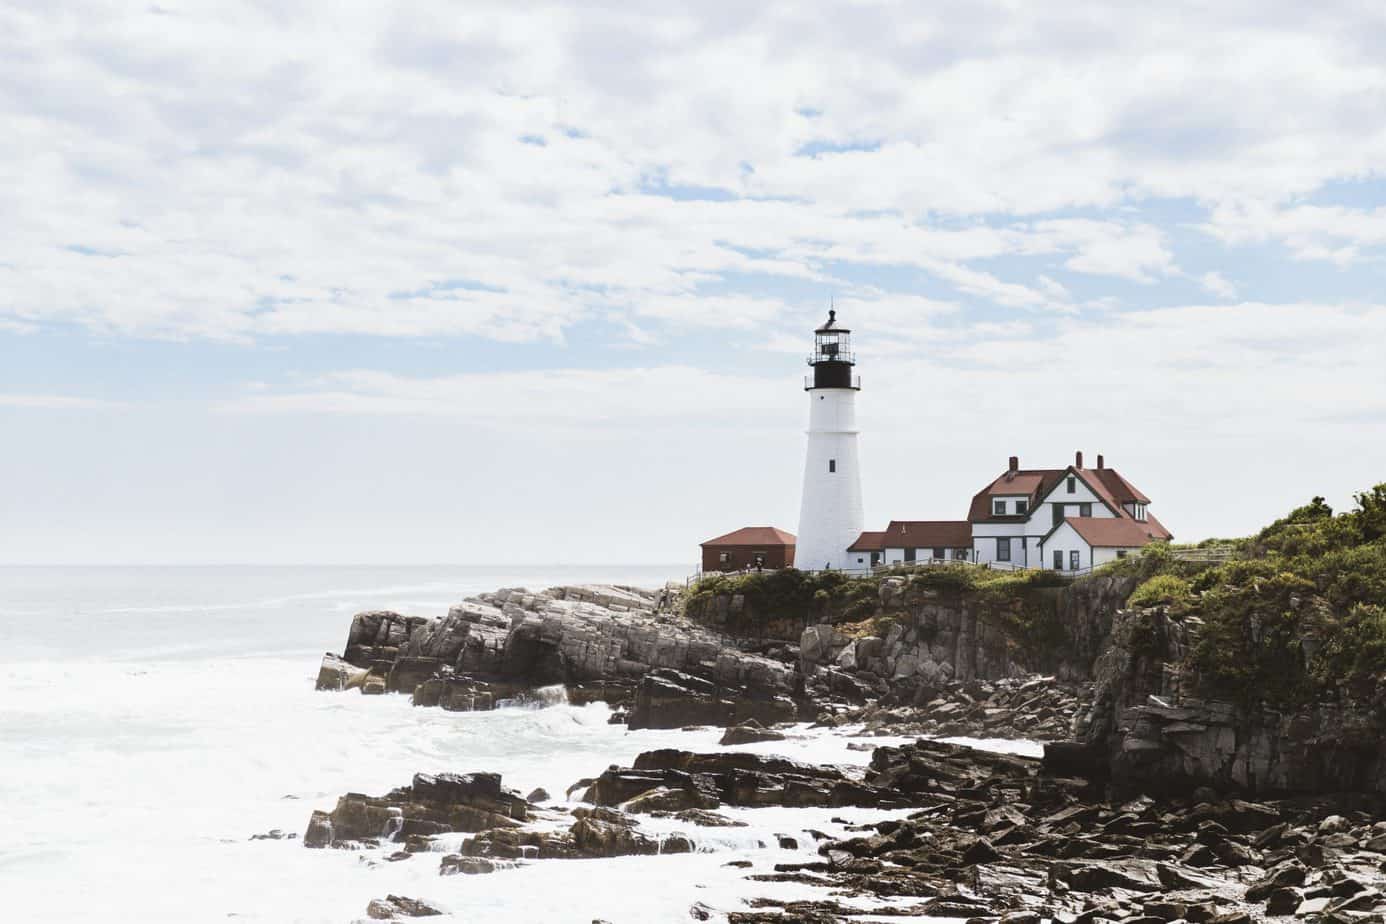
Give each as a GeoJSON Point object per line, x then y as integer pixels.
{"type": "Point", "coordinates": [830, 516]}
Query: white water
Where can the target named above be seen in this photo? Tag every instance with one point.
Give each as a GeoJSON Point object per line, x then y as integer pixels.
{"type": "Point", "coordinates": [153, 720]}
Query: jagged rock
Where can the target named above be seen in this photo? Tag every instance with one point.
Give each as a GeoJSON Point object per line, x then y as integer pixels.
{"type": "Point", "coordinates": [750, 732]}
{"type": "Point", "coordinates": [406, 673]}
{"type": "Point", "coordinates": [273, 835]}
{"type": "Point", "coordinates": [378, 635]}
{"type": "Point", "coordinates": [673, 699]}
{"type": "Point", "coordinates": [319, 833]}
{"type": "Point", "coordinates": [396, 906]}
{"type": "Point", "coordinates": [606, 641]}
{"type": "Point", "coordinates": [705, 819]}
{"type": "Point", "coordinates": [338, 674]}
{"type": "Point", "coordinates": [431, 805]}
{"type": "Point", "coordinates": [454, 865]}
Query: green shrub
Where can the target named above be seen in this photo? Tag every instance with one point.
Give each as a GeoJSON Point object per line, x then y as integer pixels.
{"type": "Point", "coordinates": [1162, 588]}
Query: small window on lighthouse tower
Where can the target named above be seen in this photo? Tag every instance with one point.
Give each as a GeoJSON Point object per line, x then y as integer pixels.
{"type": "Point", "coordinates": [832, 465]}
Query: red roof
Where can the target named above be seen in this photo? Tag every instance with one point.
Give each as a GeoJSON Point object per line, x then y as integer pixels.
{"type": "Point", "coordinates": [1119, 487]}
{"type": "Point", "coordinates": [759, 536]}
{"type": "Point", "coordinates": [1112, 489]}
{"type": "Point", "coordinates": [868, 542]}
{"type": "Point", "coordinates": [1116, 533]}
{"type": "Point", "coordinates": [923, 534]}
{"type": "Point", "coordinates": [1033, 483]}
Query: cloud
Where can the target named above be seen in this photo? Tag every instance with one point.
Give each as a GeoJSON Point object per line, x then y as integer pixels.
{"type": "Point", "coordinates": [1216, 284]}
{"type": "Point", "coordinates": [56, 402]}
{"type": "Point", "coordinates": [236, 175]}
{"type": "Point", "coordinates": [553, 398]}
{"type": "Point", "coordinates": [1335, 234]}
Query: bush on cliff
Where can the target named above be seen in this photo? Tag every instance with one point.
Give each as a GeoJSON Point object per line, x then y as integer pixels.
{"type": "Point", "coordinates": [1300, 618]}
{"type": "Point", "coordinates": [1162, 588]}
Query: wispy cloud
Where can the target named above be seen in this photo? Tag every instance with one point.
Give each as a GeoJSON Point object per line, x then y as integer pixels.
{"type": "Point", "coordinates": [233, 175]}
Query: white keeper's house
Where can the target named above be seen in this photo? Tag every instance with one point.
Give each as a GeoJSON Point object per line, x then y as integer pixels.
{"type": "Point", "coordinates": [1064, 519]}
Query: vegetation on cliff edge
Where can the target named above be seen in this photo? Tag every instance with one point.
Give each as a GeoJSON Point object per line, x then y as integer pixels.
{"type": "Point", "coordinates": [1297, 616]}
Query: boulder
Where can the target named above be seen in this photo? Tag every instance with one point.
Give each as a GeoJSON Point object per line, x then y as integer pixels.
{"type": "Point", "coordinates": [337, 674]}
{"type": "Point", "coordinates": [750, 732]}
{"type": "Point", "coordinates": [395, 906]}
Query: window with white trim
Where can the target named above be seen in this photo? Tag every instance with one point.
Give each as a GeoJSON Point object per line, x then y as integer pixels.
{"type": "Point", "coordinates": [1003, 548]}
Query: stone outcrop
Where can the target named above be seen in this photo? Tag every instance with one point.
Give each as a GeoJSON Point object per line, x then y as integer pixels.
{"type": "Point", "coordinates": [673, 780]}
{"type": "Point", "coordinates": [1037, 708]}
{"type": "Point", "coordinates": [429, 806]}
{"type": "Point", "coordinates": [394, 907]}
{"type": "Point", "coordinates": [1148, 726]}
{"type": "Point", "coordinates": [616, 644]}
{"type": "Point", "coordinates": [926, 636]}
{"type": "Point", "coordinates": [998, 838]}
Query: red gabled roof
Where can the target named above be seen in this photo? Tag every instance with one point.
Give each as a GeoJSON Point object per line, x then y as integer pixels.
{"type": "Point", "coordinates": [1115, 533]}
{"type": "Point", "coordinates": [1036, 484]}
{"type": "Point", "coordinates": [1032, 483]}
{"type": "Point", "coordinates": [923, 534]}
{"type": "Point", "coordinates": [753, 535]}
{"type": "Point", "coordinates": [868, 542]}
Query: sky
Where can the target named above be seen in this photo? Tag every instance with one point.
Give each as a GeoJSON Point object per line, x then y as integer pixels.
{"type": "Point", "coordinates": [427, 282]}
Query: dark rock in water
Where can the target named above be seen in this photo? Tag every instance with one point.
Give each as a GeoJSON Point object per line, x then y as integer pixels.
{"type": "Point", "coordinates": [662, 790]}
{"type": "Point", "coordinates": [431, 805]}
{"type": "Point", "coordinates": [407, 673]}
{"type": "Point", "coordinates": [674, 699]}
{"type": "Point", "coordinates": [599, 642]}
{"type": "Point", "coordinates": [454, 865]}
{"type": "Point", "coordinates": [706, 819]}
{"type": "Point", "coordinates": [338, 674]}
{"type": "Point", "coordinates": [275, 835]}
{"type": "Point", "coordinates": [738, 778]}
{"type": "Point", "coordinates": [750, 732]}
{"type": "Point", "coordinates": [378, 636]}
{"type": "Point", "coordinates": [700, 912]}
{"type": "Point", "coordinates": [319, 833]}
{"type": "Point", "coordinates": [373, 684]}
{"type": "Point", "coordinates": [395, 906]}
{"type": "Point", "coordinates": [539, 795]}
{"type": "Point", "coordinates": [606, 833]}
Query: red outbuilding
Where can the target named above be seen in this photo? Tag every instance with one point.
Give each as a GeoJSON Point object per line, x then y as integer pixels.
{"type": "Point", "coordinates": [749, 548]}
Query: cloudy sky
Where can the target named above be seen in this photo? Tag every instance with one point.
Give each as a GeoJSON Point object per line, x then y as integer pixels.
{"type": "Point", "coordinates": [439, 282]}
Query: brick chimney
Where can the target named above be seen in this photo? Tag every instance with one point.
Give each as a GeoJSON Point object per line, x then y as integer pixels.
{"type": "Point", "coordinates": [1078, 459]}
{"type": "Point", "coordinates": [1100, 463]}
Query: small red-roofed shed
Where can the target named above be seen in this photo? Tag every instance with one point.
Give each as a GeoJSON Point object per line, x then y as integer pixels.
{"type": "Point", "coordinates": [749, 548]}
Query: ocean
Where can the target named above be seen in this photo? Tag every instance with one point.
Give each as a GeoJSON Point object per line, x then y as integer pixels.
{"type": "Point", "coordinates": [154, 720]}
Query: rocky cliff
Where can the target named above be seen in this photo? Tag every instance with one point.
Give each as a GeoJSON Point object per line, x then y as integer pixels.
{"type": "Point", "coordinates": [1151, 726]}
{"type": "Point", "coordinates": [919, 634]}
{"type": "Point", "coordinates": [899, 640]}
{"type": "Point", "coordinates": [622, 645]}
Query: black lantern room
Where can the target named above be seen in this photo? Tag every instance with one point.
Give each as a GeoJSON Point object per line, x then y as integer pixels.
{"type": "Point", "coordinates": [832, 358]}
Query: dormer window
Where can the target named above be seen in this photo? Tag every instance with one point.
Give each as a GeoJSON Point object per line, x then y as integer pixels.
{"type": "Point", "coordinates": [1022, 507]}
{"type": "Point", "coordinates": [998, 508]}
{"type": "Point", "coordinates": [1085, 510]}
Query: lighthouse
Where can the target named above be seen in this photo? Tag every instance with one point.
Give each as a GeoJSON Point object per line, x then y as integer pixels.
{"type": "Point", "coordinates": [830, 516]}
